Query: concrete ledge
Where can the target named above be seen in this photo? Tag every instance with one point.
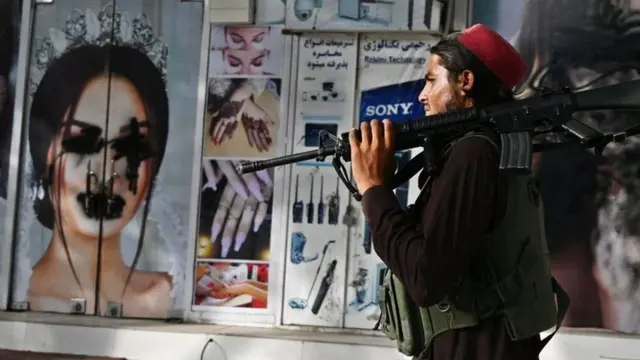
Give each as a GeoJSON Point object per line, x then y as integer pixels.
{"type": "Point", "coordinates": [152, 340]}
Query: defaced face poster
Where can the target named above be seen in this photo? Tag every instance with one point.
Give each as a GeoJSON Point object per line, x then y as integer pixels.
{"type": "Point", "coordinates": [111, 104]}
{"type": "Point", "coordinates": [591, 204]}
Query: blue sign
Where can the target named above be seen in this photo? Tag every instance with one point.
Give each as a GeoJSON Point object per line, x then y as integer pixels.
{"type": "Point", "coordinates": [397, 102]}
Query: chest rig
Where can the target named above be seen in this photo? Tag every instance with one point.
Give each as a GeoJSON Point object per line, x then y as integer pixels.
{"type": "Point", "coordinates": [509, 277]}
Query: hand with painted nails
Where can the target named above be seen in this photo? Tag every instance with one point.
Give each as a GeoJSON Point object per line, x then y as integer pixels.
{"type": "Point", "coordinates": [243, 204]}
{"type": "Point", "coordinates": [225, 122]}
{"type": "Point", "coordinates": [255, 122]}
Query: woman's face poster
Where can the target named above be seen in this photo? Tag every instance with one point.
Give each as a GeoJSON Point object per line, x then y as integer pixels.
{"type": "Point", "coordinates": [103, 219]}
{"type": "Point", "coordinates": [591, 203]}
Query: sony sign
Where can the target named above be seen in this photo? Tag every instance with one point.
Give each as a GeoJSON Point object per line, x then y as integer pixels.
{"type": "Point", "coordinates": [385, 110]}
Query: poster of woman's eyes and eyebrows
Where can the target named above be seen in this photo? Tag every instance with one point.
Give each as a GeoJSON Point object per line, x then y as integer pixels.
{"type": "Point", "coordinates": [105, 158]}
{"type": "Point", "coordinates": [241, 123]}
{"type": "Point", "coordinates": [591, 208]}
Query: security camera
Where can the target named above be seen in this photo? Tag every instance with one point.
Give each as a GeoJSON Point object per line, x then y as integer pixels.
{"type": "Point", "coordinates": [303, 9]}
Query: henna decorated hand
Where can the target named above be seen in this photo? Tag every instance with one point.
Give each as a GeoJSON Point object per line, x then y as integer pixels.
{"type": "Point", "coordinates": [255, 122]}
{"type": "Point", "coordinates": [225, 123]}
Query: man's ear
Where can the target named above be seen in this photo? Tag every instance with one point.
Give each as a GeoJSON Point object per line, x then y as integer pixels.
{"type": "Point", "coordinates": [466, 80]}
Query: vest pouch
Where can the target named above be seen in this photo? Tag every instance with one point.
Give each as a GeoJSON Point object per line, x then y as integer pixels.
{"type": "Point", "coordinates": [453, 313]}
{"type": "Point", "coordinates": [533, 310]}
{"type": "Point", "coordinates": [400, 319]}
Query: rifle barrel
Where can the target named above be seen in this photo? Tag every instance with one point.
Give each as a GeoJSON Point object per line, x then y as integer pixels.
{"type": "Point", "coordinates": [253, 166]}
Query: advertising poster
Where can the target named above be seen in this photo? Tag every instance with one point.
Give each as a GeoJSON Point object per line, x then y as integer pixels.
{"type": "Point", "coordinates": [391, 72]}
{"type": "Point", "coordinates": [591, 207]}
{"type": "Point", "coordinates": [234, 235]}
{"type": "Point", "coordinates": [9, 32]}
{"type": "Point", "coordinates": [348, 14]}
{"type": "Point", "coordinates": [243, 107]}
{"type": "Point", "coordinates": [242, 121]}
{"type": "Point", "coordinates": [103, 208]}
{"type": "Point", "coordinates": [321, 211]}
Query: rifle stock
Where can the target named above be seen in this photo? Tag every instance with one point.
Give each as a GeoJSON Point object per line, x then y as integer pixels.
{"type": "Point", "coordinates": [516, 122]}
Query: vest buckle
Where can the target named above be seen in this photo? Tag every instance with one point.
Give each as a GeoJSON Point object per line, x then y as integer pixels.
{"type": "Point", "coordinates": [443, 306]}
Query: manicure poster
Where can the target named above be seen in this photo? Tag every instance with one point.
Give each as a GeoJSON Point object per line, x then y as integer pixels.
{"type": "Point", "coordinates": [234, 236]}
{"type": "Point", "coordinates": [124, 218]}
{"type": "Point", "coordinates": [243, 105]}
{"type": "Point", "coordinates": [591, 214]}
{"type": "Point", "coordinates": [9, 29]}
{"type": "Point", "coordinates": [321, 212]}
{"type": "Point", "coordinates": [242, 121]}
{"type": "Point", "coordinates": [391, 72]}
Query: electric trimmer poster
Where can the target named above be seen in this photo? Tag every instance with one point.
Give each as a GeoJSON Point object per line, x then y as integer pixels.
{"type": "Point", "coordinates": [241, 123]}
{"type": "Point", "coordinates": [390, 77]}
{"type": "Point", "coordinates": [320, 213]}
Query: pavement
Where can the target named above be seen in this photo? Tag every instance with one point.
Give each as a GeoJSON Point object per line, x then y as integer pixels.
{"type": "Point", "coordinates": [27, 355]}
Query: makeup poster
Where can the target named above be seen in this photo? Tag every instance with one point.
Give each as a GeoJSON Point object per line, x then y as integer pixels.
{"type": "Point", "coordinates": [111, 106]}
{"type": "Point", "coordinates": [241, 123]}
{"type": "Point", "coordinates": [321, 214]}
{"type": "Point", "coordinates": [591, 214]}
{"type": "Point", "coordinates": [391, 71]}
{"type": "Point", "coordinates": [9, 38]}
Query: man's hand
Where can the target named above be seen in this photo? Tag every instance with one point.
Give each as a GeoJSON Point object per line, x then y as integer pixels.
{"type": "Point", "coordinates": [372, 156]}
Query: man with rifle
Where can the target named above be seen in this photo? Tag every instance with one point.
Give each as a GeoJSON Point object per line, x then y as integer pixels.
{"type": "Point", "coordinates": [470, 255]}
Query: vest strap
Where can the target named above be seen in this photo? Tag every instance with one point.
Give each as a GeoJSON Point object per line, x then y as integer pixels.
{"type": "Point", "coordinates": [505, 291]}
{"type": "Point", "coordinates": [562, 301]}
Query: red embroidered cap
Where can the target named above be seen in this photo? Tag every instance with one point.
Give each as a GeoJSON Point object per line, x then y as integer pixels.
{"type": "Point", "coordinates": [495, 53]}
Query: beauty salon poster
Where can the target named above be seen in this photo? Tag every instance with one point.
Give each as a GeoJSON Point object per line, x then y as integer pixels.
{"type": "Point", "coordinates": [241, 123]}
{"type": "Point", "coordinates": [103, 208]}
{"type": "Point", "coordinates": [591, 205]}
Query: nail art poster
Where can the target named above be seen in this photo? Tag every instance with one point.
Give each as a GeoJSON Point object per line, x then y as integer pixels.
{"type": "Point", "coordinates": [234, 236]}
{"type": "Point", "coordinates": [241, 123]}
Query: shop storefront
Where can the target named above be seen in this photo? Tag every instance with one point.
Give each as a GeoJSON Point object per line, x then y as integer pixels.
{"type": "Point", "coordinates": [123, 125]}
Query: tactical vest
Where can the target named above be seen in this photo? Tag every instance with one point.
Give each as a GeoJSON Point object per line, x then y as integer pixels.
{"type": "Point", "coordinates": [509, 277]}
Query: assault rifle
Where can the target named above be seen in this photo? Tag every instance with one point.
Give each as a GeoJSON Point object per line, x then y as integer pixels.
{"type": "Point", "coordinates": [515, 122]}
